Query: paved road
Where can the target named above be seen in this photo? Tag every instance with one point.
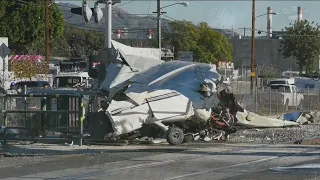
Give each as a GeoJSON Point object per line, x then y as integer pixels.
{"type": "Point", "coordinates": [196, 161]}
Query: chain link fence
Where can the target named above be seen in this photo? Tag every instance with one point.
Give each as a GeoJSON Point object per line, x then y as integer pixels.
{"type": "Point", "coordinates": [18, 103]}
{"type": "Point", "coordinates": [41, 112]}
{"type": "Point", "coordinates": [269, 102]}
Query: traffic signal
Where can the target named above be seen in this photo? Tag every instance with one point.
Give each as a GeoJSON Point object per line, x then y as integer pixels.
{"type": "Point", "coordinates": [88, 12]}
{"type": "Point", "coordinates": [97, 12]}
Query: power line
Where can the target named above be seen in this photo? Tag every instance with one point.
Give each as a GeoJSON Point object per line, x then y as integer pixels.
{"type": "Point", "coordinates": [125, 3]}
{"type": "Point", "coordinates": [149, 7]}
{"type": "Point", "coordinates": [114, 29]}
{"type": "Point", "coordinates": [170, 17]}
{"type": "Point", "coordinates": [63, 5]}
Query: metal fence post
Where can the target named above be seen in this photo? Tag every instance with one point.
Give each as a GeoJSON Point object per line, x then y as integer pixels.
{"type": "Point", "coordinates": [25, 104]}
{"type": "Point", "coordinates": [256, 98]}
{"type": "Point", "coordinates": [318, 98]}
{"type": "Point", "coordinates": [81, 118]}
{"type": "Point", "coordinates": [277, 106]}
{"type": "Point", "coordinates": [285, 101]}
{"type": "Point", "coordinates": [270, 102]}
{"type": "Point", "coordinates": [296, 99]}
{"type": "Point", "coordinates": [43, 116]}
{"type": "Point", "coordinates": [5, 112]}
{"type": "Point", "coordinates": [308, 99]}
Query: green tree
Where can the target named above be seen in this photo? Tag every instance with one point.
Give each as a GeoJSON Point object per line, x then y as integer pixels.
{"type": "Point", "coordinates": [182, 35]}
{"type": "Point", "coordinates": [212, 46]}
{"type": "Point", "coordinates": [24, 24]}
{"type": "Point", "coordinates": [80, 40]}
{"type": "Point", "coordinates": [207, 45]}
{"type": "Point", "coordinates": [302, 40]}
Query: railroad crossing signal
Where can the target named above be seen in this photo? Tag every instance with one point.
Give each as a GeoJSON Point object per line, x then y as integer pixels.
{"type": "Point", "coordinates": [87, 12]}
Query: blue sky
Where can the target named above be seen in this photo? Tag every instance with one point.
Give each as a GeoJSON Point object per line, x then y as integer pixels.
{"type": "Point", "coordinates": [228, 14]}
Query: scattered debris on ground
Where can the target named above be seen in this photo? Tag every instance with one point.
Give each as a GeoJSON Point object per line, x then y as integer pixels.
{"type": "Point", "coordinates": [301, 117]}
{"type": "Point", "coordinates": [307, 133]}
{"type": "Point", "coordinates": [275, 135]}
{"type": "Point", "coordinates": [308, 127]}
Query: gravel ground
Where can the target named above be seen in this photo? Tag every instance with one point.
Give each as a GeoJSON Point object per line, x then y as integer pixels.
{"type": "Point", "coordinates": [286, 135]}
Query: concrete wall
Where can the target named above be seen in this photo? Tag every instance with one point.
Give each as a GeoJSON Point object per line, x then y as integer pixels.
{"type": "Point", "coordinates": [267, 52]}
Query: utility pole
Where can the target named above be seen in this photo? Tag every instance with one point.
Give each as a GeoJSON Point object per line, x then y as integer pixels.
{"type": "Point", "coordinates": [159, 22]}
{"type": "Point", "coordinates": [108, 29]}
{"type": "Point", "coordinates": [47, 33]}
{"type": "Point", "coordinates": [244, 31]}
{"type": "Point", "coordinates": [253, 44]}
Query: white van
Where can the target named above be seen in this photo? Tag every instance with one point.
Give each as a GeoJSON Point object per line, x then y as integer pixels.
{"type": "Point", "coordinates": [71, 80]}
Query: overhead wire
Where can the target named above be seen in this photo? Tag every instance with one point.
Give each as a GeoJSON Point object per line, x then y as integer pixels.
{"type": "Point", "coordinates": [147, 17]}
{"type": "Point", "coordinates": [170, 17]}
{"type": "Point", "coordinates": [125, 3]}
{"type": "Point", "coordinates": [63, 5]}
{"type": "Point", "coordinates": [149, 7]}
{"type": "Point", "coordinates": [97, 28]}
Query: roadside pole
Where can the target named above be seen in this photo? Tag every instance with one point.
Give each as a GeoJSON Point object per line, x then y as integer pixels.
{"type": "Point", "coordinates": [47, 33]}
{"type": "Point", "coordinates": [108, 24]}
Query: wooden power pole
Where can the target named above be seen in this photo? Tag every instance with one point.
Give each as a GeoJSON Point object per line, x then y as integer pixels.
{"type": "Point", "coordinates": [159, 22]}
{"type": "Point", "coordinates": [253, 46]}
{"type": "Point", "coordinates": [47, 34]}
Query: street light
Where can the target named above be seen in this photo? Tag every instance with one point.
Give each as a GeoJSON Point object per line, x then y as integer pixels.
{"type": "Point", "coordinates": [185, 4]}
{"type": "Point", "coordinates": [273, 13]}
{"type": "Point", "coordinates": [244, 28]}
{"type": "Point", "coordinates": [159, 8]}
{"type": "Point", "coordinates": [253, 44]}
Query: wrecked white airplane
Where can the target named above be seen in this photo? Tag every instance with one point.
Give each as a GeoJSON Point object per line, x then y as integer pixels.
{"type": "Point", "coordinates": [145, 94]}
{"type": "Point", "coordinates": [186, 100]}
{"type": "Point", "coordinates": [177, 96]}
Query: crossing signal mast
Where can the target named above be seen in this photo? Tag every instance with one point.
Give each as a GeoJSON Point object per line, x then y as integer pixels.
{"type": "Point", "coordinates": [97, 14]}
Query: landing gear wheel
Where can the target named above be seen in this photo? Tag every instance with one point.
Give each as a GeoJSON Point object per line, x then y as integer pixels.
{"type": "Point", "coordinates": [188, 138]}
{"type": "Point", "coordinates": [174, 136]}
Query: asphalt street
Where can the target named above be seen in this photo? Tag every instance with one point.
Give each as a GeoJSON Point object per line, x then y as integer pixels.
{"type": "Point", "coordinates": [164, 162]}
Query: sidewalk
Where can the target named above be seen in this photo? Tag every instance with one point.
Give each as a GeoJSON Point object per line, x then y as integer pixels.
{"type": "Point", "coordinates": [40, 149]}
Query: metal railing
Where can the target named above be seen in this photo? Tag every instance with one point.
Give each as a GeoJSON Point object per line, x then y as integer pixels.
{"type": "Point", "coordinates": [39, 113]}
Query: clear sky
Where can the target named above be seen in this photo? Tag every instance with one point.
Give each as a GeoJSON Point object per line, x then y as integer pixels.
{"type": "Point", "coordinates": [227, 14]}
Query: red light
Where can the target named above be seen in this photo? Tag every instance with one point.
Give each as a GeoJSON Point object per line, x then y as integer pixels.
{"type": "Point", "coordinates": [95, 64]}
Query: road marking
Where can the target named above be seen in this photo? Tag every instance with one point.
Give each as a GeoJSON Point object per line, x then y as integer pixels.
{"type": "Point", "coordinates": [240, 164]}
{"type": "Point", "coordinates": [101, 172]}
{"type": "Point", "coordinates": [212, 170]}
{"type": "Point", "coordinates": [304, 166]}
{"type": "Point", "coordinates": [95, 173]}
